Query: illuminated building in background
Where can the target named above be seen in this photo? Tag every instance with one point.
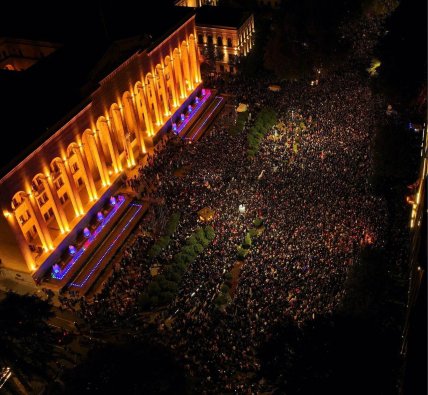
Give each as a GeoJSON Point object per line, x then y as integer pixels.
{"type": "Point", "coordinates": [48, 193]}
{"type": "Point", "coordinates": [224, 35]}
{"type": "Point", "coordinates": [195, 3]}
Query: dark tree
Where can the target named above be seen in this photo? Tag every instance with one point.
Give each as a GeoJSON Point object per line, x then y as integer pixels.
{"type": "Point", "coordinates": [129, 369]}
{"type": "Point", "coordinates": [25, 337]}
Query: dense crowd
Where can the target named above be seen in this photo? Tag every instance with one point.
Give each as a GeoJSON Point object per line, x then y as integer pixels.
{"type": "Point", "coordinates": [309, 183]}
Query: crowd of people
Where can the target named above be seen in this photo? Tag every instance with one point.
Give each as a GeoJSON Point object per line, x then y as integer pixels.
{"type": "Point", "coordinates": [308, 183]}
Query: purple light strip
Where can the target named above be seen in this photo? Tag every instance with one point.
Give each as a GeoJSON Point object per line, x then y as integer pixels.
{"type": "Point", "coordinates": [82, 283]}
{"type": "Point", "coordinates": [207, 118]}
{"type": "Point", "coordinates": [194, 111]}
{"type": "Point", "coordinates": [91, 238]}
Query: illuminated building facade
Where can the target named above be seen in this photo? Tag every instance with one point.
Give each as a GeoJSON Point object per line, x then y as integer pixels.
{"type": "Point", "coordinates": [224, 35]}
{"type": "Point", "coordinates": [46, 196]}
{"type": "Point", "coordinates": [195, 3]}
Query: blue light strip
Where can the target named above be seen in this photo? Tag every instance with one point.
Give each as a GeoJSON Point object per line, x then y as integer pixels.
{"type": "Point", "coordinates": [82, 283]}
{"type": "Point", "coordinates": [63, 273]}
{"type": "Point", "coordinates": [207, 118]}
{"type": "Point", "coordinates": [194, 111]}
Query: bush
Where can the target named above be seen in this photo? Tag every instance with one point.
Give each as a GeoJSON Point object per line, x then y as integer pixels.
{"type": "Point", "coordinates": [154, 251]}
{"type": "Point", "coordinates": [172, 275]}
{"type": "Point", "coordinates": [224, 289]}
{"type": "Point", "coordinates": [163, 241]}
{"type": "Point", "coordinates": [200, 235]}
{"type": "Point", "coordinates": [153, 288]}
{"type": "Point", "coordinates": [144, 300]}
{"type": "Point", "coordinates": [198, 248]}
{"type": "Point", "coordinates": [247, 241]}
{"type": "Point", "coordinates": [258, 222]}
{"type": "Point", "coordinates": [191, 240]}
{"type": "Point", "coordinates": [205, 242]}
{"type": "Point", "coordinates": [228, 276]}
{"type": "Point", "coordinates": [172, 224]}
{"type": "Point", "coordinates": [182, 266]}
{"type": "Point", "coordinates": [253, 232]}
{"type": "Point", "coordinates": [180, 258]}
{"type": "Point", "coordinates": [166, 297]}
{"type": "Point", "coordinates": [154, 300]}
{"type": "Point", "coordinates": [171, 286]}
{"type": "Point", "coordinates": [209, 232]}
{"type": "Point", "coordinates": [189, 250]}
{"type": "Point", "coordinates": [220, 300]}
{"type": "Point", "coordinates": [242, 252]}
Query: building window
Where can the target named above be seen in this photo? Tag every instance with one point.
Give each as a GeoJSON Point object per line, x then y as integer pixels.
{"type": "Point", "coordinates": [59, 183]}
{"type": "Point", "coordinates": [75, 167]}
{"type": "Point", "coordinates": [200, 39]}
{"type": "Point", "coordinates": [229, 42]}
{"type": "Point", "coordinates": [46, 216]}
{"type": "Point", "coordinates": [63, 198]}
{"type": "Point", "coordinates": [210, 39]}
{"type": "Point", "coordinates": [219, 41]}
{"type": "Point", "coordinates": [79, 182]}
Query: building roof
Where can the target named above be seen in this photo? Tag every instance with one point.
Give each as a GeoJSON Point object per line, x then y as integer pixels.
{"type": "Point", "coordinates": [221, 16]}
{"type": "Point", "coordinates": [94, 42]}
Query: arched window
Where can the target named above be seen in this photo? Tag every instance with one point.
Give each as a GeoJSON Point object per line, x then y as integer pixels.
{"type": "Point", "coordinates": [219, 41]}
{"type": "Point", "coordinates": [229, 42]}
{"type": "Point", "coordinates": [200, 39]}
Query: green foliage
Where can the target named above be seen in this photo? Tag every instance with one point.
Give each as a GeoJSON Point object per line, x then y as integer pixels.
{"type": "Point", "coordinates": [209, 232]}
{"type": "Point", "coordinates": [189, 250]}
{"type": "Point", "coordinates": [220, 300]}
{"type": "Point", "coordinates": [162, 289]}
{"type": "Point", "coordinates": [166, 297]}
{"type": "Point", "coordinates": [253, 232]}
{"type": "Point", "coordinates": [144, 300]}
{"type": "Point", "coordinates": [247, 240]}
{"type": "Point", "coordinates": [154, 251]}
{"type": "Point", "coordinates": [258, 222]}
{"type": "Point", "coordinates": [180, 267]}
{"type": "Point", "coordinates": [172, 224]}
{"type": "Point", "coordinates": [192, 240]}
{"type": "Point", "coordinates": [153, 288]}
{"type": "Point", "coordinates": [241, 118]}
{"type": "Point", "coordinates": [241, 252]}
{"type": "Point", "coordinates": [224, 289]}
{"type": "Point", "coordinates": [164, 240]}
{"type": "Point", "coordinates": [200, 234]}
{"type": "Point", "coordinates": [263, 123]}
{"type": "Point", "coordinates": [198, 248]}
{"type": "Point", "coordinates": [154, 300]}
{"type": "Point", "coordinates": [172, 275]}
